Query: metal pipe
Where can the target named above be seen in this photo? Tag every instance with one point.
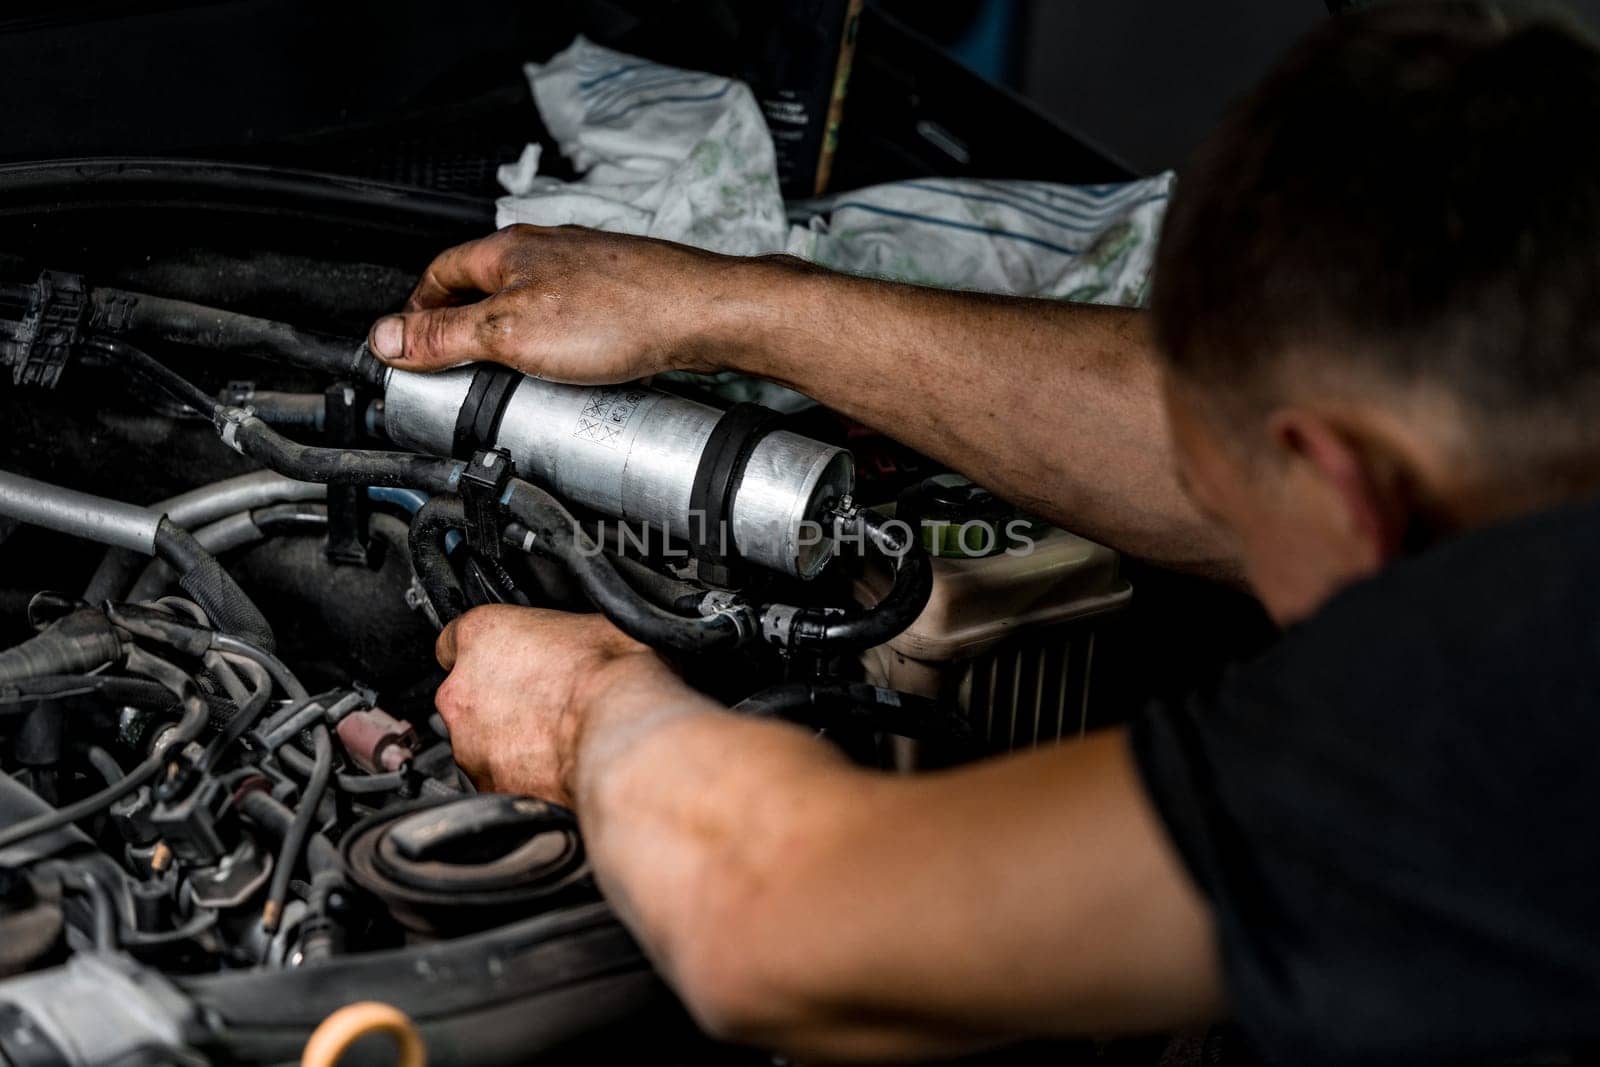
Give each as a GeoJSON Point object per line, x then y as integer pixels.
{"type": "Point", "coordinates": [223, 536]}
{"type": "Point", "coordinates": [246, 492]}
{"type": "Point", "coordinates": [199, 506]}
{"type": "Point", "coordinates": [94, 518]}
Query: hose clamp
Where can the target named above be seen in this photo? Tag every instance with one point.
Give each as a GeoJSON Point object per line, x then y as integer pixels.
{"type": "Point", "coordinates": [731, 607]}
{"type": "Point", "coordinates": [233, 420]}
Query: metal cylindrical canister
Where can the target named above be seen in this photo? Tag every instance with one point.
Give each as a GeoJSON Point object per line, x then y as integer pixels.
{"type": "Point", "coordinates": [632, 452]}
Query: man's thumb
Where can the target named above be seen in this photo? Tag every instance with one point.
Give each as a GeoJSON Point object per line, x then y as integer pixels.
{"type": "Point", "coordinates": [429, 340]}
{"type": "Point", "coordinates": [444, 648]}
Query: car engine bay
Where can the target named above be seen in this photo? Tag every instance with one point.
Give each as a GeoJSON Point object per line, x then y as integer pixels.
{"type": "Point", "coordinates": [231, 537]}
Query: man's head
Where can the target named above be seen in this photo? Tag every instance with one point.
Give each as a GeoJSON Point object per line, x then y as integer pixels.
{"type": "Point", "coordinates": [1378, 292]}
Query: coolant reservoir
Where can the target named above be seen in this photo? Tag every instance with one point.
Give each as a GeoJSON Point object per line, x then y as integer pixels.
{"type": "Point", "coordinates": [1009, 637]}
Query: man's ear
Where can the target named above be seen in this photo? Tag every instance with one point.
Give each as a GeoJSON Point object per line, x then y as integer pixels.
{"type": "Point", "coordinates": [1353, 477]}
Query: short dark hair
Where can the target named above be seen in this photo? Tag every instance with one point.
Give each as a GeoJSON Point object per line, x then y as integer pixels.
{"type": "Point", "coordinates": [1412, 194]}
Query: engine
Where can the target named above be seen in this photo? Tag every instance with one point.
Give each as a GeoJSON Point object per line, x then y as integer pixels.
{"type": "Point", "coordinates": [230, 537]}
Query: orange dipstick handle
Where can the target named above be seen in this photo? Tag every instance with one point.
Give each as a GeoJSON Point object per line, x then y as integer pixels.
{"type": "Point", "coordinates": [352, 1022]}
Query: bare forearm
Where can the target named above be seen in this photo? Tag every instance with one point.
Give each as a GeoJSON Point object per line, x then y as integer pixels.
{"type": "Point", "coordinates": [1054, 406]}
{"type": "Point", "coordinates": [797, 901]}
{"type": "Point", "coordinates": [673, 793]}
{"type": "Point", "coordinates": [702, 828]}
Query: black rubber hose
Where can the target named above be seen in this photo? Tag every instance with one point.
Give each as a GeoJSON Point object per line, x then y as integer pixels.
{"type": "Point", "coordinates": [364, 784]}
{"type": "Point", "coordinates": [196, 713]}
{"type": "Point", "coordinates": [276, 819]}
{"type": "Point", "coordinates": [258, 524]}
{"type": "Point", "coordinates": [301, 766]}
{"type": "Point", "coordinates": [556, 533]}
{"type": "Point", "coordinates": [300, 829]}
{"type": "Point", "coordinates": [278, 670]}
{"type": "Point", "coordinates": [202, 920]}
{"type": "Point", "coordinates": [104, 764]}
{"type": "Point", "coordinates": [119, 571]}
{"type": "Point", "coordinates": [228, 607]}
{"type": "Point", "coordinates": [102, 912]}
{"type": "Point", "coordinates": [432, 522]}
{"type": "Point", "coordinates": [857, 631]}
{"type": "Point", "coordinates": [253, 437]}
{"type": "Point", "coordinates": [75, 644]}
{"type": "Point", "coordinates": [663, 591]}
{"type": "Point", "coordinates": [18, 695]}
{"type": "Point", "coordinates": [236, 727]}
{"type": "Point", "coordinates": [318, 937]}
{"type": "Point", "coordinates": [198, 326]}
{"type": "Point", "coordinates": [341, 466]}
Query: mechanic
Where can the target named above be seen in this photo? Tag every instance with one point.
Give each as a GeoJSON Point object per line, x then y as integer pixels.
{"type": "Point", "coordinates": [1367, 385]}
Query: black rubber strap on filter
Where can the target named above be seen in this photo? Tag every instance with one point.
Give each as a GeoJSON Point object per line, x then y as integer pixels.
{"type": "Point", "coordinates": [478, 422]}
{"type": "Point", "coordinates": [722, 464]}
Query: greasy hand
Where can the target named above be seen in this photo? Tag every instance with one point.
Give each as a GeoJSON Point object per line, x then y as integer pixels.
{"type": "Point", "coordinates": [563, 303]}
{"type": "Point", "coordinates": [519, 692]}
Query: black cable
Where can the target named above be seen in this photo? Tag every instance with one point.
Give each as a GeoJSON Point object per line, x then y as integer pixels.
{"type": "Point", "coordinates": [274, 723]}
{"type": "Point", "coordinates": [55, 820]}
{"type": "Point", "coordinates": [295, 840]}
{"type": "Point", "coordinates": [159, 375]}
{"type": "Point", "coordinates": [490, 582]}
{"type": "Point", "coordinates": [195, 714]}
{"type": "Point", "coordinates": [547, 527]}
{"type": "Point", "coordinates": [318, 938]}
{"type": "Point", "coordinates": [275, 818]}
{"type": "Point", "coordinates": [104, 765]}
{"type": "Point", "coordinates": [276, 668]}
{"type": "Point", "coordinates": [234, 728]}
{"type": "Point", "coordinates": [198, 924]}
{"type": "Point", "coordinates": [294, 721]}
{"type": "Point", "coordinates": [253, 437]}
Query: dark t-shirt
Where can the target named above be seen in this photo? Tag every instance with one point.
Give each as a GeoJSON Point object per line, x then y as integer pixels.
{"type": "Point", "coordinates": [1395, 813]}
